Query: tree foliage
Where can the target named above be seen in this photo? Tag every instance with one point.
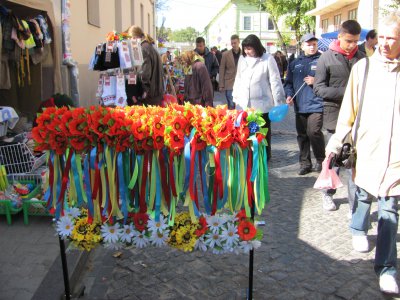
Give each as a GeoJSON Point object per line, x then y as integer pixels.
{"type": "Point", "coordinates": [293, 12]}
{"type": "Point", "coordinates": [161, 5]}
{"type": "Point", "coordinates": [188, 34]}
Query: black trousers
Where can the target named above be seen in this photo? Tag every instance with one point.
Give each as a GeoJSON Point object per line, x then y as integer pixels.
{"type": "Point", "coordinates": [309, 133]}
{"type": "Point", "coordinates": [268, 125]}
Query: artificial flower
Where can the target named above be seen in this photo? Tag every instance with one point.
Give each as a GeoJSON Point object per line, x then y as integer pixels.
{"type": "Point", "coordinates": [201, 228]}
{"type": "Point", "coordinates": [215, 222]}
{"type": "Point", "coordinates": [65, 226]}
{"type": "Point", "coordinates": [186, 238]}
{"type": "Point", "coordinates": [127, 233]}
{"type": "Point", "coordinates": [200, 245]}
{"type": "Point", "coordinates": [140, 220]}
{"type": "Point", "coordinates": [213, 239]}
{"type": "Point", "coordinates": [246, 230]}
{"type": "Point", "coordinates": [73, 212]}
{"type": "Point", "coordinates": [229, 235]}
{"type": "Point", "coordinates": [110, 233]}
{"type": "Point", "coordinates": [140, 240]}
{"type": "Point", "coordinates": [159, 238]}
{"type": "Point", "coordinates": [158, 226]}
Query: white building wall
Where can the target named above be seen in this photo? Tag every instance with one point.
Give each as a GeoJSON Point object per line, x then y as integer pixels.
{"type": "Point", "coordinates": [220, 32]}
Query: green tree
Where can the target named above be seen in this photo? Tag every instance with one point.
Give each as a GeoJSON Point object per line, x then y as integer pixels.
{"type": "Point", "coordinates": [294, 13]}
{"type": "Point", "coordinates": [188, 34]}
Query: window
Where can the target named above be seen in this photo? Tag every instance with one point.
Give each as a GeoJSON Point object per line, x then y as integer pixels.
{"type": "Point", "coordinates": [247, 23]}
{"type": "Point", "coordinates": [118, 15]}
{"type": "Point", "coordinates": [148, 23]}
{"type": "Point", "coordinates": [336, 21]}
{"type": "Point", "coordinates": [270, 24]}
{"type": "Point", "coordinates": [353, 14]}
{"type": "Point", "coordinates": [93, 12]}
{"type": "Point", "coordinates": [324, 25]}
{"type": "Point", "coordinates": [141, 16]}
{"type": "Point", "coordinates": [133, 12]}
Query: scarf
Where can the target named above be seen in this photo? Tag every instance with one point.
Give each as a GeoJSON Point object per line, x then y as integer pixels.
{"type": "Point", "coordinates": [335, 46]}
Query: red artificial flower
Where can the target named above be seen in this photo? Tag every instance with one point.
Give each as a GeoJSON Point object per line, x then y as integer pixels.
{"type": "Point", "coordinates": [158, 141]}
{"type": "Point", "coordinates": [201, 227]}
{"type": "Point", "coordinates": [79, 143]}
{"type": "Point", "coordinates": [78, 126]}
{"type": "Point", "coordinates": [140, 220]}
{"type": "Point", "coordinates": [241, 215]}
{"type": "Point", "coordinates": [138, 130]}
{"type": "Point", "coordinates": [246, 230]}
{"type": "Point", "coordinates": [198, 143]}
{"type": "Point", "coordinates": [176, 140]}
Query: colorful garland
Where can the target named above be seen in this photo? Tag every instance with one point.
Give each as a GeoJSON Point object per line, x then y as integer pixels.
{"type": "Point", "coordinates": [221, 233]}
{"type": "Point", "coordinates": [120, 163]}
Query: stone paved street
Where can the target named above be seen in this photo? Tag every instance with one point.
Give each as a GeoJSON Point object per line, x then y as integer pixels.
{"type": "Point", "coordinates": [306, 252]}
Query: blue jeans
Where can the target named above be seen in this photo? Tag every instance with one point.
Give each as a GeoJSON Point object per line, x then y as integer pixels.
{"type": "Point", "coordinates": [386, 251]}
{"type": "Point", "coordinates": [229, 99]}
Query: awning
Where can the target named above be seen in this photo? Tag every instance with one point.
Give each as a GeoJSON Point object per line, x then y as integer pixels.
{"type": "Point", "coordinates": [323, 44]}
{"type": "Point", "coordinates": [330, 7]}
{"type": "Point", "coordinates": [334, 34]}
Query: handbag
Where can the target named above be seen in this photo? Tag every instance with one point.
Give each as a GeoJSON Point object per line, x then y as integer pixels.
{"type": "Point", "coordinates": [348, 155]}
{"type": "Point", "coordinates": [328, 178]}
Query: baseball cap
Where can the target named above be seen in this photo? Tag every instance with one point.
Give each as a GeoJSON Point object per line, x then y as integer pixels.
{"type": "Point", "coordinates": [308, 37]}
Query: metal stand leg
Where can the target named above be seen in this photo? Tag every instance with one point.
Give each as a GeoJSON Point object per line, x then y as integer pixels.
{"type": "Point", "coordinates": [65, 268]}
{"type": "Point", "coordinates": [251, 261]}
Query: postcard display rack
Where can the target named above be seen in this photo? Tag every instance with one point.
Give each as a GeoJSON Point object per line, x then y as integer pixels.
{"type": "Point", "coordinates": [154, 174]}
{"type": "Point", "coordinates": [118, 61]}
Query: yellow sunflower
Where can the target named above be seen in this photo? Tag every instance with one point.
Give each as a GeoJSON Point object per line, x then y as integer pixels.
{"type": "Point", "coordinates": [186, 238]}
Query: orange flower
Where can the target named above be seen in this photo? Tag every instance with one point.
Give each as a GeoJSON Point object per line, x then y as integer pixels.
{"type": "Point", "coordinates": [246, 230]}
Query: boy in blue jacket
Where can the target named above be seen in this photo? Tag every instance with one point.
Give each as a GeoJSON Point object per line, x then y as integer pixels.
{"type": "Point", "coordinates": [307, 106]}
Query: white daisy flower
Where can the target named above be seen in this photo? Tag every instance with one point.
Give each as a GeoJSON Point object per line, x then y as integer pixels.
{"type": "Point", "coordinates": [73, 212]}
{"type": "Point", "coordinates": [214, 223]}
{"type": "Point", "coordinates": [245, 247]}
{"type": "Point", "coordinates": [64, 226]}
{"type": "Point", "coordinates": [229, 235]}
{"type": "Point", "coordinates": [159, 226]}
{"type": "Point", "coordinates": [111, 233]}
{"type": "Point", "coordinates": [230, 218]}
{"type": "Point", "coordinates": [256, 244]}
{"type": "Point", "coordinates": [213, 239]}
{"type": "Point", "coordinates": [158, 238]}
{"type": "Point", "coordinates": [139, 239]}
{"type": "Point", "coordinates": [127, 233]}
{"type": "Point", "coordinates": [200, 245]}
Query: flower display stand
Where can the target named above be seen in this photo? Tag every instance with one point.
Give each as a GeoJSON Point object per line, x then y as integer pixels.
{"type": "Point", "coordinates": [117, 177]}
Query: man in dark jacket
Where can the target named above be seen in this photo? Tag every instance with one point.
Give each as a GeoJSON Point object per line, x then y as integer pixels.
{"type": "Point", "coordinates": [210, 60]}
{"type": "Point", "coordinates": [308, 106]}
{"type": "Point", "coordinates": [331, 76]}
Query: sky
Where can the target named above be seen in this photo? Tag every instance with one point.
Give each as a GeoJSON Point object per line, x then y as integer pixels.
{"type": "Point", "coordinates": [193, 13]}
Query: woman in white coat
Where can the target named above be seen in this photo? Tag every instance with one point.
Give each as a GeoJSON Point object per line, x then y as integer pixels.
{"type": "Point", "coordinates": [258, 83]}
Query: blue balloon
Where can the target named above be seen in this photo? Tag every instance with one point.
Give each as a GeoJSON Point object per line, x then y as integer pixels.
{"type": "Point", "coordinates": [278, 113]}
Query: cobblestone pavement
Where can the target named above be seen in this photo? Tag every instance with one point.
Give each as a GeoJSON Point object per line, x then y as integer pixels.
{"type": "Point", "coordinates": [306, 252]}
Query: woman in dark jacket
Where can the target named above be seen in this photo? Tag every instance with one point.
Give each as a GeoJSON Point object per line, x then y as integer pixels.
{"type": "Point", "coordinates": [152, 70]}
{"type": "Point", "coordinates": [198, 87]}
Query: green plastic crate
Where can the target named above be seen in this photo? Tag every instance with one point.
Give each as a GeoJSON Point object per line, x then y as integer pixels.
{"type": "Point", "coordinates": [34, 207]}
{"type": "Point", "coordinates": [6, 207]}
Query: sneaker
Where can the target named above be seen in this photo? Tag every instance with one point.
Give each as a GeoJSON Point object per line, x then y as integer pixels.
{"type": "Point", "coordinates": [388, 284]}
{"type": "Point", "coordinates": [304, 170]}
{"type": "Point", "coordinates": [360, 243]}
{"type": "Point", "coordinates": [349, 214]}
{"type": "Point", "coordinates": [327, 203]}
{"type": "Point", "coordinates": [318, 167]}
